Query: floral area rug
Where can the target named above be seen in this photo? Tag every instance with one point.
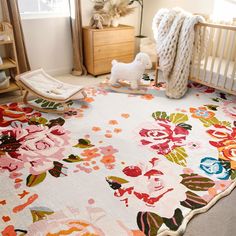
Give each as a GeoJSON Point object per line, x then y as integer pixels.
{"type": "Point", "coordinates": [116, 164]}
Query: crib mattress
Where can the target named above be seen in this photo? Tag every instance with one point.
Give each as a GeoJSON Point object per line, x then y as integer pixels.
{"type": "Point", "coordinates": [229, 82]}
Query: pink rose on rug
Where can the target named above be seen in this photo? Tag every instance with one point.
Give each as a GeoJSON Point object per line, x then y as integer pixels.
{"type": "Point", "coordinates": [10, 164]}
{"type": "Point", "coordinates": [150, 187]}
{"type": "Point", "coordinates": [60, 222]}
{"type": "Point", "coordinates": [33, 146]}
{"type": "Point", "coordinates": [229, 108]}
{"type": "Point", "coordinates": [71, 221]}
{"type": "Point", "coordinates": [163, 136]}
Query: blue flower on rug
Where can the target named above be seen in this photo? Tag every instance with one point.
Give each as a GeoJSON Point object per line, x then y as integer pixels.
{"type": "Point", "coordinates": [213, 167]}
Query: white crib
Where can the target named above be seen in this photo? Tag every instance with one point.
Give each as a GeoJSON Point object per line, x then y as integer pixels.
{"type": "Point", "coordinates": [216, 65]}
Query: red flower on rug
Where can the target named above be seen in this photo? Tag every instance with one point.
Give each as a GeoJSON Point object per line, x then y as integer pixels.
{"type": "Point", "coordinates": [149, 186]}
{"type": "Point", "coordinates": [163, 136]}
{"type": "Point", "coordinates": [34, 146]}
{"type": "Point", "coordinates": [13, 112]}
{"type": "Point", "coordinates": [226, 144]}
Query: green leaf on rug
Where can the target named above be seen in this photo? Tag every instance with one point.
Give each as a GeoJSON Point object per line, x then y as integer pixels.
{"type": "Point", "coordinates": [197, 182]}
{"type": "Point", "coordinates": [40, 213]}
{"type": "Point", "coordinates": [45, 104]}
{"type": "Point", "coordinates": [58, 170]}
{"type": "Point", "coordinates": [113, 184]}
{"type": "Point", "coordinates": [225, 123]}
{"type": "Point", "coordinates": [39, 100]}
{"type": "Point", "coordinates": [193, 201]}
{"type": "Point", "coordinates": [37, 121]}
{"type": "Point", "coordinates": [174, 222]}
{"type": "Point", "coordinates": [49, 105]}
{"type": "Point", "coordinates": [178, 118]}
{"type": "Point", "coordinates": [209, 122]}
{"type": "Point", "coordinates": [72, 159]}
{"type": "Point", "coordinates": [160, 115]}
{"type": "Point", "coordinates": [83, 143]}
{"type": "Point", "coordinates": [178, 156]}
{"type": "Point", "coordinates": [185, 126]}
{"type": "Point", "coordinates": [212, 107]}
{"type": "Point", "coordinates": [33, 180]}
{"type": "Point", "coordinates": [149, 223]}
{"type": "Point", "coordinates": [59, 121]}
{"type": "Point", "coordinates": [233, 174]}
{"type": "Point", "coordinates": [70, 103]}
{"type": "Point", "coordinates": [216, 99]}
{"type": "Point", "coordinates": [117, 180]}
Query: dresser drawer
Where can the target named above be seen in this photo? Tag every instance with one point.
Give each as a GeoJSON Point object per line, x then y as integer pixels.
{"type": "Point", "coordinates": [112, 37]}
{"type": "Point", "coordinates": [103, 66]}
{"type": "Point", "coordinates": [101, 46]}
{"type": "Point", "coordinates": [113, 50]}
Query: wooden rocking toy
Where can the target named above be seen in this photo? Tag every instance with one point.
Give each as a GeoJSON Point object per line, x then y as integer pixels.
{"type": "Point", "coordinates": [42, 85]}
{"type": "Point", "coordinates": [123, 86]}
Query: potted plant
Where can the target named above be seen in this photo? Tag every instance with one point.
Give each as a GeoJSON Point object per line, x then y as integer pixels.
{"type": "Point", "coordinates": [112, 10]}
{"type": "Point", "coordinates": [140, 2]}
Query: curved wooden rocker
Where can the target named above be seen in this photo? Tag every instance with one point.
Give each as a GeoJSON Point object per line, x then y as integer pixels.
{"type": "Point", "coordinates": [124, 87]}
{"type": "Point", "coordinates": [43, 86]}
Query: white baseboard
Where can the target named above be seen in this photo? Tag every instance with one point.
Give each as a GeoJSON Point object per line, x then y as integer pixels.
{"type": "Point", "coordinates": [59, 71]}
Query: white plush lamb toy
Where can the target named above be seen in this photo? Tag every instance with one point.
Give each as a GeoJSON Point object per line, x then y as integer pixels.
{"type": "Point", "coordinates": [132, 72]}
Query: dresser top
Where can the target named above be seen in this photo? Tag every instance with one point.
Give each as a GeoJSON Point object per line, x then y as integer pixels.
{"type": "Point", "coordinates": [105, 28]}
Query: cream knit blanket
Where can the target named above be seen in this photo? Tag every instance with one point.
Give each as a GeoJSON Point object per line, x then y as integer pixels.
{"type": "Point", "coordinates": [174, 34]}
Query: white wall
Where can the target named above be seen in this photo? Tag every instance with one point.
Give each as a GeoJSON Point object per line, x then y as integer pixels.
{"type": "Point", "coordinates": [48, 43]}
{"type": "Point", "coordinates": [194, 6]}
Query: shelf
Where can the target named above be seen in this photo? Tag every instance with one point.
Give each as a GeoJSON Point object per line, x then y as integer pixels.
{"type": "Point", "coordinates": [2, 42]}
{"type": "Point", "coordinates": [11, 88]}
{"type": "Point", "coordinates": [8, 63]}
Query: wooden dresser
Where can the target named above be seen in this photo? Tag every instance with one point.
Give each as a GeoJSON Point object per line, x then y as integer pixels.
{"type": "Point", "coordinates": [101, 46]}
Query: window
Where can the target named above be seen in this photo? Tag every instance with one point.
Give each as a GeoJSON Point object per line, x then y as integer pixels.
{"type": "Point", "coordinates": [224, 10]}
{"type": "Point", "coordinates": [43, 8]}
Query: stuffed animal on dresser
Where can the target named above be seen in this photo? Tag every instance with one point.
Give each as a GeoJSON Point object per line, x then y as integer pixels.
{"type": "Point", "coordinates": [96, 21]}
{"type": "Point", "coordinates": [132, 72]}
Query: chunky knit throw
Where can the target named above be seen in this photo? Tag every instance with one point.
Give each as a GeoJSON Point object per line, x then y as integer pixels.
{"type": "Point", "coordinates": [174, 34]}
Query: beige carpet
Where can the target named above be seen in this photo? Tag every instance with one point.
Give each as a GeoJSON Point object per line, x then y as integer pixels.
{"type": "Point", "coordinates": [218, 221]}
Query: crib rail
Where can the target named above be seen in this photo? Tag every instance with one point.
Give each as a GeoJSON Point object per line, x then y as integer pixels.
{"type": "Point", "coordinates": [214, 64]}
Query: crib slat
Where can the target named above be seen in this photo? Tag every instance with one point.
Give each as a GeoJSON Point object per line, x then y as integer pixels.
{"type": "Point", "coordinates": [200, 56]}
{"type": "Point", "coordinates": [233, 78]}
{"type": "Point", "coordinates": [222, 52]}
{"type": "Point", "coordinates": [208, 51]}
{"type": "Point", "coordinates": [194, 51]}
{"type": "Point", "coordinates": [214, 53]}
{"type": "Point", "coordinates": [229, 56]}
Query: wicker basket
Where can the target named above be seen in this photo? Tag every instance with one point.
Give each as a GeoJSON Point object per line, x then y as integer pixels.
{"type": "Point", "coordinates": [4, 81]}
